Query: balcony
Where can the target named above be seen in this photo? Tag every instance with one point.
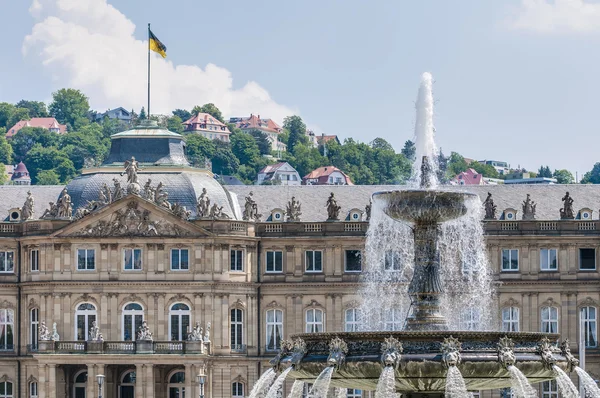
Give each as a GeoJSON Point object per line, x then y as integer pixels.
{"type": "Point", "coordinates": [542, 227]}
{"type": "Point", "coordinates": [289, 229]}
{"type": "Point", "coordinates": [121, 347]}
{"type": "Point", "coordinates": [239, 349]}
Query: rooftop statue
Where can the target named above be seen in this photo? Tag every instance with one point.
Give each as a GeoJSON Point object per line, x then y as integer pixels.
{"type": "Point", "coordinates": [148, 192]}
{"type": "Point", "coordinates": [105, 195]}
{"type": "Point", "coordinates": [203, 205]}
{"type": "Point", "coordinates": [216, 212]}
{"type": "Point", "coordinates": [65, 209]}
{"type": "Point", "coordinates": [131, 169]}
{"type": "Point", "coordinates": [529, 208]}
{"type": "Point", "coordinates": [293, 211]}
{"type": "Point", "coordinates": [51, 212]}
{"type": "Point", "coordinates": [250, 209]}
{"type": "Point", "coordinates": [333, 210]}
{"type": "Point", "coordinates": [27, 210]}
{"type": "Point", "coordinates": [566, 213]}
{"type": "Point", "coordinates": [180, 211]}
{"type": "Point", "coordinates": [118, 190]}
{"type": "Point", "coordinates": [162, 196]}
{"type": "Point", "coordinates": [490, 208]}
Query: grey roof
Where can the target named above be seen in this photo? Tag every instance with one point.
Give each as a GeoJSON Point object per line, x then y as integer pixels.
{"type": "Point", "coordinates": [13, 196]}
{"type": "Point", "coordinates": [314, 197]}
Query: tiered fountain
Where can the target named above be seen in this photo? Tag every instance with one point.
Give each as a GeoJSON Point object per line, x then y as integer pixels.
{"type": "Point", "coordinates": [424, 357]}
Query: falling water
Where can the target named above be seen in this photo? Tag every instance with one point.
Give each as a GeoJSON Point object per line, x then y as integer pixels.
{"type": "Point", "coordinates": [520, 386]}
{"type": "Point", "coordinates": [565, 385]}
{"type": "Point", "coordinates": [425, 132]}
{"type": "Point", "coordinates": [386, 386]}
{"type": "Point", "coordinates": [341, 392]}
{"type": "Point", "coordinates": [297, 389]}
{"type": "Point", "coordinates": [455, 384]}
{"type": "Point", "coordinates": [275, 390]}
{"type": "Point", "coordinates": [321, 385]}
{"type": "Point", "coordinates": [262, 385]}
{"type": "Point", "coordinates": [589, 385]}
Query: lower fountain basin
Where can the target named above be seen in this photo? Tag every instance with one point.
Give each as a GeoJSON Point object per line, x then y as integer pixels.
{"type": "Point", "coordinates": [423, 206]}
{"type": "Point", "coordinates": [421, 368]}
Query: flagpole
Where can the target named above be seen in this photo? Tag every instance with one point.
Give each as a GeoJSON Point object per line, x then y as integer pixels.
{"type": "Point", "coordinates": [148, 111]}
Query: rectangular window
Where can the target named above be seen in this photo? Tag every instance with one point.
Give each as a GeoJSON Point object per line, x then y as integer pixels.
{"type": "Point", "coordinates": [314, 321]}
{"type": "Point", "coordinates": [392, 261]}
{"type": "Point", "coordinates": [132, 259]}
{"type": "Point", "coordinates": [33, 390]}
{"type": "Point", "coordinates": [314, 261]}
{"type": "Point", "coordinates": [548, 260]}
{"type": "Point", "coordinates": [274, 332]}
{"type": "Point", "coordinates": [510, 319]}
{"type": "Point", "coordinates": [237, 330]}
{"type": "Point", "coordinates": [274, 261]}
{"type": "Point", "coordinates": [86, 259]}
{"type": "Point", "coordinates": [587, 259]}
{"type": "Point", "coordinates": [34, 321]}
{"type": "Point", "coordinates": [549, 389]}
{"type": "Point", "coordinates": [180, 260]}
{"type": "Point", "coordinates": [352, 320]}
{"type": "Point", "coordinates": [588, 321]}
{"type": "Point", "coordinates": [549, 320]}
{"type": "Point", "coordinates": [353, 261]}
{"type": "Point", "coordinates": [237, 263]}
{"type": "Point", "coordinates": [510, 260]}
{"type": "Point", "coordinates": [34, 260]}
{"type": "Point", "coordinates": [7, 262]}
{"type": "Point", "coordinates": [353, 393]}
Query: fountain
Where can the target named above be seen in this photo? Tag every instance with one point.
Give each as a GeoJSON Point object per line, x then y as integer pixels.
{"type": "Point", "coordinates": [426, 356]}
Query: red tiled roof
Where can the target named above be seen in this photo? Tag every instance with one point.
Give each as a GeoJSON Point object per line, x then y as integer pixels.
{"type": "Point", "coordinates": [325, 138]}
{"type": "Point", "coordinates": [21, 168]}
{"type": "Point", "coordinates": [44, 122]}
{"type": "Point", "coordinates": [469, 177]}
{"type": "Point", "coordinates": [322, 175]}
{"type": "Point", "coordinates": [255, 122]}
{"type": "Point", "coordinates": [202, 120]}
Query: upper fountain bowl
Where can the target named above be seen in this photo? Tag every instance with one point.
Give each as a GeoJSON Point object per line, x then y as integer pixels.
{"type": "Point", "coordinates": [423, 206]}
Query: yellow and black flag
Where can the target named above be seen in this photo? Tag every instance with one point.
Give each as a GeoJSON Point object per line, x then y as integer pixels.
{"type": "Point", "coordinates": [156, 45]}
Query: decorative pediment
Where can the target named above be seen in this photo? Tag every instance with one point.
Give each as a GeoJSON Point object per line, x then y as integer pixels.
{"type": "Point", "coordinates": [550, 303]}
{"type": "Point", "coordinates": [86, 298]}
{"type": "Point", "coordinates": [239, 304]}
{"type": "Point", "coordinates": [131, 217]}
{"type": "Point", "coordinates": [132, 298]}
{"type": "Point", "coordinates": [5, 378]}
{"type": "Point", "coordinates": [239, 379]}
{"type": "Point", "coordinates": [351, 304]}
{"type": "Point", "coordinates": [511, 302]}
{"type": "Point", "coordinates": [274, 304]}
{"type": "Point", "coordinates": [313, 304]}
{"type": "Point", "coordinates": [31, 379]}
{"type": "Point", "coordinates": [180, 298]}
{"type": "Point", "coordinates": [32, 303]}
{"type": "Point", "coordinates": [588, 302]}
{"type": "Point", "coordinates": [7, 304]}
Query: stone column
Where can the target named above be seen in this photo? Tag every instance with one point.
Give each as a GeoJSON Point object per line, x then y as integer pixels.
{"type": "Point", "coordinates": [42, 388]}
{"type": "Point", "coordinates": [67, 316]}
{"type": "Point", "coordinates": [149, 380]}
{"type": "Point", "coordinates": [91, 381]}
{"type": "Point", "coordinates": [162, 312]}
{"type": "Point", "coordinates": [101, 370]}
{"type": "Point", "coordinates": [114, 311]}
{"type": "Point", "coordinates": [51, 381]}
{"type": "Point", "coordinates": [104, 320]}
{"type": "Point", "coordinates": [188, 379]}
{"type": "Point", "coordinates": [139, 383]}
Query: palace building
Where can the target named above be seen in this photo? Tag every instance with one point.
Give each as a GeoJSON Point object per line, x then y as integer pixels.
{"type": "Point", "coordinates": [149, 272]}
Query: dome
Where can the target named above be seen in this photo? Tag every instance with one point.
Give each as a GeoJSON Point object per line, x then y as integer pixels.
{"type": "Point", "coordinates": [21, 168]}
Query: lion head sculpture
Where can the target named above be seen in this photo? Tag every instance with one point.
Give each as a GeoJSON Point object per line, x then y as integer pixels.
{"type": "Point", "coordinates": [391, 351]}
{"type": "Point", "coordinates": [566, 351]}
{"type": "Point", "coordinates": [506, 354]}
{"type": "Point", "coordinates": [545, 351]}
{"type": "Point", "coordinates": [285, 348]}
{"type": "Point", "coordinates": [298, 352]}
{"type": "Point", "coordinates": [337, 352]}
{"type": "Point", "coordinates": [451, 352]}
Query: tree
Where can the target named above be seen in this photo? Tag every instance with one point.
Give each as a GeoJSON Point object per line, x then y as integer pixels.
{"type": "Point", "coordinates": [49, 158]}
{"type": "Point", "coordinates": [409, 150]}
{"type": "Point", "coordinates": [17, 115]}
{"type": "Point", "coordinates": [6, 152]}
{"type": "Point", "coordinates": [456, 165]}
{"type": "Point", "coordinates": [143, 114]}
{"type": "Point", "coordinates": [36, 108]}
{"type": "Point", "coordinates": [486, 170]}
{"type": "Point", "coordinates": [6, 111]}
{"type": "Point", "coordinates": [245, 148]}
{"type": "Point", "coordinates": [297, 131]}
{"type": "Point", "coordinates": [381, 144]}
{"type": "Point", "coordinates": [87, 144]}
{"type": "Point", "coordinates": [174, 123]}
{"type": "Point", "coordinates": [182, 114]}
{"type": "Point", "coordinates": [211, 109]}
{"type": "Point", "coordinates": [27, 137]}
{"type": "Point", "coordinates": [199, 149]}
{"type": "Point", "coordinates": [47, 177]}
{"type": "Point", "coordinates": [544, 171]}
{"type": "Point", "coordinates": [68, 106]}
{"type": "Point", "coordinates": [262, 140]}
{"type": "Point", "coordinates": [563, 176]}
{"type": "Point", "coordinates": [592, 176]}
{"type": "Point", "coordinates": [224, 161]}
{"type": "Point", "coordinates": [307, 159]}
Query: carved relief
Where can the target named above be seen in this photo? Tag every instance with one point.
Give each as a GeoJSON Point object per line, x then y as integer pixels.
{"type": "Point", "coordinates": [351, 304]}
{"type": "Point", "coordinates": [7, 304]}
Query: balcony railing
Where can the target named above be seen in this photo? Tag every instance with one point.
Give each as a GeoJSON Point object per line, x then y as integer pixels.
{"type": "Point", "coordinates": [120, 347]}
{"type": "Point", "coordinates": [239, 348]}
{"type": "Point", "coordinates": [358, 228]}
{"type": "Point", "coordinates": [547, 228]}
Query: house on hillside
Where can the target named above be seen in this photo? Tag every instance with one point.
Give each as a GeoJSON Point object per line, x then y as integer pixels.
{"type": "Point", "coordinates": [267, 126]}
{"type": "Point", "coordinates": [48, 123]}
{"type": "Point", "coordinates": [119, 113]}
{"type": "Point", "coordinates": [207, 126]}
{"type": "Point", "coordinates": [316, 140]}
{"type": "Point", "coordinates": [328, 175]}
{"type": "Point", "coordinates": [278, 174]}
{"type": "Point", "coordinates": [17, 175]}
{"type": "Point", "coordinates": [472, 177]}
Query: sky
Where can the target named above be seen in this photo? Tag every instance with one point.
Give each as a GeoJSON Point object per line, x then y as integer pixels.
{"type": "Point", "coordinates": [514, 80]}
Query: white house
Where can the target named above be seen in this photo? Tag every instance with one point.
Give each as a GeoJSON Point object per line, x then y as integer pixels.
{"type": "Point", "coordinates": [280, 174]}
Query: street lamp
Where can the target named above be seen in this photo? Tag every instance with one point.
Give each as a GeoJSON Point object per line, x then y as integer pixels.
{"type": "Point", "coordinates": [201, 380]}
{"type": "Point", "coordinates": [100, 380]}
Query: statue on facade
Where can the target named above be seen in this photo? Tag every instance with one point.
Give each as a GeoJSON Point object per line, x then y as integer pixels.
{"type": "Point", "coordinates": [131, 169]}
{"type": "Point", "coordinates": [529, 208]}
{"type": "Point", "coordinates": [162, 196]}
{"type": "Point", "coordinates": [27, 210]}
{"type": "Point", "coordinates": [94, 333]}
{"type": "Point", "coordinates": [203, 205]}
{"type": "Point", "coordinates": [207, 333]}
{"type": "Point", "coordinates": [55, 336]}
{"type": "Point", "coordinates": [251, 209]}
{"type": "Point", "coordinates": [65, 209]}
{"type": "Point", "coordinates": [368, 210]}
{"type": "Point", "coordinates": [566, 213]}
{"type": "Point", "coordinates": [44, 332]}
{"type": "Point", "coordinates": [490, 208]}
{"type": "Point", "coordinates": [104, 195]}
{"type": "Point", "coordinates": [216, 212]}
{"type": "Point", "coordinates": [333, 210]}
{"type": "Point", "coordinates": [51, 211]}
{"type": "Point", "coordinates": [196, 333]}
{"type": "Point", "coordinates": [293, 210]}
{"type": "Point", "coordinates": [148, 191]}
{"type": "Point", "coordinates": [180, 211]}
{"type": "Point", "coordinates": [144, 332]}
{"type": "Point", "coordinates": [118, 192]}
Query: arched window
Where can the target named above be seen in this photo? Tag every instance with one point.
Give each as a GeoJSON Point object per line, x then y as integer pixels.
{"type": "Point", "coordinates": [6, 389]}
{"type": "Point", "coordinates": [352, 317]}
{"type": "Point", "coordinates": [33, 389]}
{"type": "Point", "coordinates": [549, 317]}
{"type": "Point", "coordinates": [127, 386]}
{"type": "Point", "coordinates": [510, 319]}
{"type": "Point", "coordinates": [237, 329]}
{"type": "Point", "coordinates": [133, 316]}
{"type": "Point", "coordinates": [274, 332]}
{"type": "Point", "coordinates": [34, 327]}
{"type": "Point", "coordinates": [179, 321]}
{"type": "Point", "coordinates": [314, 320]}
{"type": "Point", "coordinates": [85, 314]}
{"type": "Point", "coordinates": [588, 321]}
{"type": "Point", "coordinates": [394, 319]}
{"type": "Point", "coordinates": [7, 327]}
{"type": "Point", "coordinates": [80, 384]}
{"type": "Point", "coordinates": [237, 390]}
{"type": "Point", "coordinates": [470, 319]}
{"type": "Point", "coordinates": [176, 385]}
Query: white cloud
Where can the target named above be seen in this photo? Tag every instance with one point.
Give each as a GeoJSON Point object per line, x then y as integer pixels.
{"type": "Point", "coordinates": [89, 45]}
{"type": "Point", "coordinates": [556, 16]}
